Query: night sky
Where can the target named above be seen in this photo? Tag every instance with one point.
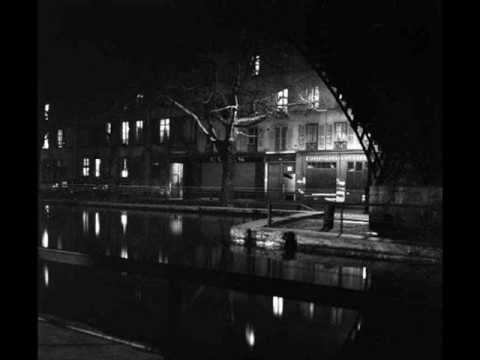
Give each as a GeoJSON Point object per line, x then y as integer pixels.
{"type": "Point", "coordinates": [385, 55]}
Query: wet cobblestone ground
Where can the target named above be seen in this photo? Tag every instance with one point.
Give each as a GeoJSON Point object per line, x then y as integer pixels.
{"type": "Point", "coordinates": [349, 226]}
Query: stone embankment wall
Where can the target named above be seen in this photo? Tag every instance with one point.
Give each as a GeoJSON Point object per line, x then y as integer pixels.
{"type": "Point", "coordinates": [407, 210]}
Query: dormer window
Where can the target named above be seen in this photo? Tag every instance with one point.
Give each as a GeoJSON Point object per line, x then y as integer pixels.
{"type": "Point", "coordinates": [282, 100]}
{"type": "Point", "coordinates": [313, 97]}
{"type": "Point", "coordinates": [256, 65]}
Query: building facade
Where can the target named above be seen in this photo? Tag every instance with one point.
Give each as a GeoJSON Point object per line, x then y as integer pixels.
{"type": "Point", "coordinates": [304, 148]}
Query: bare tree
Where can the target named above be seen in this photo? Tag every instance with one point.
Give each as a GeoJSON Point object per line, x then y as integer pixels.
{"type": "Point", "coordinates": [226, 95]}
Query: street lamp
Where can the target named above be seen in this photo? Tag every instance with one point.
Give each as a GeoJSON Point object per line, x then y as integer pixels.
{"type": "Point", "coordinates": [340, 190]}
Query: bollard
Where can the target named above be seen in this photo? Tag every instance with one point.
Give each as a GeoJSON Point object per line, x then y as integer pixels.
{"type": "Point", "coordinates": [328, 216]}
{"type": "Point", "coordinates": [341, 218]}
{"type": "Point", "coordinates": [269, 213]}
{"type": "Point", "coordinates": [249, 239]}
{"type": "Point", "coordinates": [290, 245]}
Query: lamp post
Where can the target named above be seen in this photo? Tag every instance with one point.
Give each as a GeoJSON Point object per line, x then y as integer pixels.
{"type": "Point", "coordinates": [340, 146]}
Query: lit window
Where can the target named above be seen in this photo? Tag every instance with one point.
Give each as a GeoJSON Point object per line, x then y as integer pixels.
{"type": "Point", "coordinates": [164, 130]}
{"type": "Point", "coordinates": [340, 131]}
{"type": "Point", "coordinates": [125, 132]}
{"type": "Point", "coordinates": [124, 169]}
{"type": "Point", "coordinates": [282, 100]}
{"type": "Point", "coordinates": [60, 138]}
{"type": "Point", "coordinates": [86, 167]}
{"type": "Point", "coordinates": [313, 97]}
{"type": "Point", "coordinates": [139, 97]}
{"type": "Point", "coordinates": [138, 130]}
{"type": "Point", "coordinates": [47, 109]}
{"type": "Point", "coordinates": [256, 64]}
{"type": "Point", "coordinates": [45, 141]}
{"type": "Point", "coordinates": [108, 131]}
{"type": "Point", "coordinates": [98, 162]}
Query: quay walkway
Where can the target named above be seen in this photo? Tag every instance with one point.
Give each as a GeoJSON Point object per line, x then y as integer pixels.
{"type": "Point", "coordinates": [63, 341]}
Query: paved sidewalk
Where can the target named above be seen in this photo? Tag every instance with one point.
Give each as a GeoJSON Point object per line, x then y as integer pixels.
{"type": "Point", "coordinates": [56, 342]}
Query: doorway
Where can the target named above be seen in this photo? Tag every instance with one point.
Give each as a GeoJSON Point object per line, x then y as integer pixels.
{"type": "Point", "coordinates": [176, 180]}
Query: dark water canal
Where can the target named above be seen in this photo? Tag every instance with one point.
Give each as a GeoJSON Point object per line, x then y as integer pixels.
{"type": "Point", "coordinates": [184, 319]}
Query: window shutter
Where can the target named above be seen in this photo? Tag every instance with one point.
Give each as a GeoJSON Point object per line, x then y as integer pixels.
{"type": "Point", "coordinates": [329, 140]}
{"type": "Point", "coordinates": [321, 137]}
{"type": "Point", "coordinates": [284, 138]}
{"type": "Point", "coordinates": [349, 134]}
{"type": "Point", "coordinates": [301, 136]}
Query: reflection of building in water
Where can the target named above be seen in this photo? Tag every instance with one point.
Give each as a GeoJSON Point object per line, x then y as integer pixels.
{"type": "Point", "coordinates": [85, 222]}
{"type": "Point", "coordinates": [353, 277]}
{"type": "Point", "coordinates": [176, 224]}
{"type": "Point", "coordinates": [124, 220]}
{"type": "Point", "coordinates": [348, 277]}
{"type": "Point", "coordinates": [45, 238]}
{"type": "Point", "coordinates": [138, 295]}
{"type": "Point", "coordinates": [162, 258]}
{"type": "Point", "coordinates": [97, 224]}
{"type": "Point", "coordinates": [308, 309]}
{"type": "Point", "coordinates": [45, 275]}
{"type": "Point", "coordinates": [277, 306]}
{"type": "Point", "coordinates": [124, 252]}
{"type": "Point", "coordinates": [336, 316]}
{"type": "Point", "coordinates": [250, 335]}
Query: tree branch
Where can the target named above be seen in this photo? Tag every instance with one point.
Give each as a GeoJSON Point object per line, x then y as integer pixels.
{"type": "Point", "coordinates": [228, 107]}
{"type": "Point", "coordinates": [209, 134]}
{"type": "Point", "coordinates": [249, 121]}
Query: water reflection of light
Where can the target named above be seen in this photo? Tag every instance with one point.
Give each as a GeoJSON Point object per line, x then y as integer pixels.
{"type": "Point", "coordinates": [45, 238]}
{"type": "Point", "coordinates": [47, 209]}
{"type": "Point", "coordinates": [124, 252]}
{"type": "Point", "coordinates": [163, 259]}
{"type": "Point", "coordinates": [123, 220]}
{"type": "Point", "coordinates": [97, 224]}
{"type": "Point", "coordinates": [311, 310]}
{"type": "Point", "coordinates": [277, 306]}
{"type": "Point", "coordinates": [238, 240]}
{"type": "Point", "coordinates": [336, 316]}
{"type": "Point", "coordinates": [364, 273]}
{"type": "Point", "coordinates": [250, 335]}
{"type": "Point", "coordinates": [85, 221]}
{"type": "Point", "coordinates": [176, 224]}
{"type": "Point", "coordinates": [45, 275]}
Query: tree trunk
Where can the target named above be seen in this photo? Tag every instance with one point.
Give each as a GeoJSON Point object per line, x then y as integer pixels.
{"type": "Point", "coordinates": [228, 171]}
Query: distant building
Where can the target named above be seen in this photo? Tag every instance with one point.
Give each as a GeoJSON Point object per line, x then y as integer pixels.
{"type": "Point", "coordinates": [57, 146]}
{"type": "Point", "coordinates": [305, 148]}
